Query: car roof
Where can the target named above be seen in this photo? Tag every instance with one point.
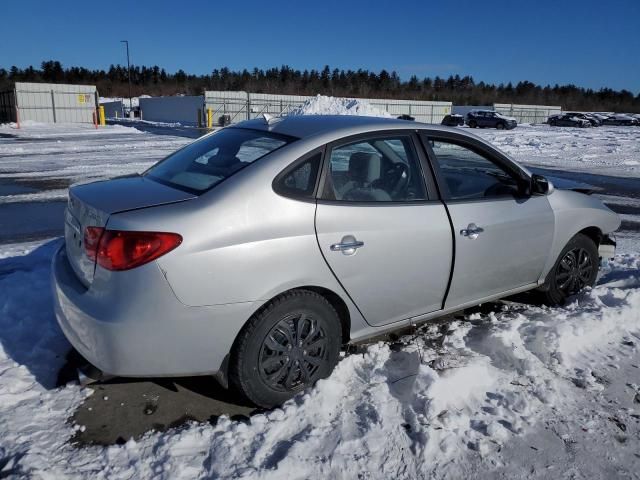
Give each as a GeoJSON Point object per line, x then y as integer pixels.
{"type": "Point", "coordinates": [317, 130]}
{"type": "Point", "coordinates": [338, 126]}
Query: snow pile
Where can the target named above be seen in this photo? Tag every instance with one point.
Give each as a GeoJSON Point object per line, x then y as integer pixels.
{"type": "Point", "coordinates": [323, 105]}
{"type": "Point", "coordinates": [453, 393]}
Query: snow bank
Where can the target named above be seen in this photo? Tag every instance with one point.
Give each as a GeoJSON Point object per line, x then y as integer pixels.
{"type": "Point", "coordinates": [323, 105]}
{"type": "Point", "coordinates": [410, 410]}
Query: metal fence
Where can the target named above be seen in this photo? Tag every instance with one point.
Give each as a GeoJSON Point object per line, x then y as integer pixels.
{"type": "Point", "coordinates": [240, 105]}
{"type": "Point", "coordinates": [527, 113]}
{"type": "Point", "coordinates": [50, 103]}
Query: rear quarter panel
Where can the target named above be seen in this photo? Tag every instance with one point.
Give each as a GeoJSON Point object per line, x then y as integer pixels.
{"type": "Point", "coordinates": [242, 242]}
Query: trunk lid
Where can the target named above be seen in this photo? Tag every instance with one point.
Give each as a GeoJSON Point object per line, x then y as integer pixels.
{"type": "Point", "coordinates": [92, 204]}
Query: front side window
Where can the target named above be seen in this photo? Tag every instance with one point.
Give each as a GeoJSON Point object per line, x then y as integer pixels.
{"type": "Point", "coordinates": [206, 162]}
{"type": "Point", "coordinates": [375, 170]}
{"type": "Point", "coordinates": [469, 175]}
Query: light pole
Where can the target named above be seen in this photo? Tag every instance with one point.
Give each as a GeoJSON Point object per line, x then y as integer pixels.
{"type": "Point", "coordinates": [129, 75]}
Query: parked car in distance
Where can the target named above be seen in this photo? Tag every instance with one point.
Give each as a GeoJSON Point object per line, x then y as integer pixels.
{"type": "Point", "coordinates": [490, 119]}
{"type": "Point", "coordinates": [592, 119]}
{"type": "Point", "coordinates": [257, 252]}
{"type": "Point", "coordinates": [567, 120]}
{"type": "Point", "coordinates": [453, 120]}
{"type": "Point", "coordinates": [620, 119]}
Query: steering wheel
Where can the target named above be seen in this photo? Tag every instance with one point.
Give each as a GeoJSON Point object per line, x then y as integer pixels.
{"type": "Point", "coordinates": [397, 178]}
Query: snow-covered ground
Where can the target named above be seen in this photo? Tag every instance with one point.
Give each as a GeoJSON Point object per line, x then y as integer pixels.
{"type": "Point", "coordinates": [508, 391]}
{"type": "Point", "coordinates": [47, 158]}
{"type": "Point", "coordinates": [603, 150]}
{"type": "Point", "coordinates": [467, 398]}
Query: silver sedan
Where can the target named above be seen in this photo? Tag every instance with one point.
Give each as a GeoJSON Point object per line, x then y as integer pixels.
{"type": "Point", "coordinates": [257, 252]}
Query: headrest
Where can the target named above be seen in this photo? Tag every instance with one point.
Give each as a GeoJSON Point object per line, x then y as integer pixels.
{"type": "Point", "coordinates": [364, 167]}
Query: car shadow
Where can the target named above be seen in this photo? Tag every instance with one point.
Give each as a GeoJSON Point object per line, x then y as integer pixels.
{"type": "Point", "coordinates": [123, 408]}
{"type": "Point", "coordinates": [29, 333]}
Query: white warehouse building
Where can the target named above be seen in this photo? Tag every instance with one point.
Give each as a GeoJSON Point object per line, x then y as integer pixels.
{"type": "Point", "coordinates": [49, 103]}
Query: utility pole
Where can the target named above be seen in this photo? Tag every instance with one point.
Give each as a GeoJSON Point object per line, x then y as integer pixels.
{"type": "Point", "coordinates": [129, 75]}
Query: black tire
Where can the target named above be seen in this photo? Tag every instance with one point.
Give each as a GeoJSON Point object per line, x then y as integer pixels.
{"type": "Point", "coordinates": [274, 349]}
{"type": "Point", "coordinates": [500, 126]}
{"type": "Point", "coordinates": [575, 269]}
{"type": "Point", "coordinates": [473, 124]}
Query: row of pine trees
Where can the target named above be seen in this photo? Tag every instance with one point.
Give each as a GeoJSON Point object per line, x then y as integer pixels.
{"type": "Point", "coordinates": [345, 83]}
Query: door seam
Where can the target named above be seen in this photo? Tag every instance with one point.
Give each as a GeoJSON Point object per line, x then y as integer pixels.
{"type": "Point", "coordinates": [315, 228]}
{"type": "Point", "coordinates": [453, 255]}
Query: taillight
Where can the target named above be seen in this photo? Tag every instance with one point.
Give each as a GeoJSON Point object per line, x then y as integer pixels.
{"type": "Point", "coordinates": [123, 250]}
{"type": "Point", "coordinates": [91, 240]}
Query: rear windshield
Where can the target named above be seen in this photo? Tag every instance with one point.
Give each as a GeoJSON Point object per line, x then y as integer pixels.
{"type": "Point", "coordinates": [203, 164]}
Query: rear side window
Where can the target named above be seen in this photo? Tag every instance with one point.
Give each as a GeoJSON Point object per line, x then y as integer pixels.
{"type": "Point", "coordinates": [384, 169]}
{"type": "Point", "coordinates": [299, 180]}
{"type": "Point", "coordinates": [203, 164]}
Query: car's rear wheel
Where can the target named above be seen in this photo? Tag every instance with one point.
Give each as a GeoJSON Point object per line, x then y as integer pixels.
{"type": "Point", "coordinates": [285, 347]}
{"type": "Point", "coordinates": [473, 124]}
{"type": "Point", "coordinates": [575, 269]}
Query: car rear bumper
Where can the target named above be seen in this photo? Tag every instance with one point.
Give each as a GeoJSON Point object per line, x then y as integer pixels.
{"type": "Point", "coordinates": [134, 326]}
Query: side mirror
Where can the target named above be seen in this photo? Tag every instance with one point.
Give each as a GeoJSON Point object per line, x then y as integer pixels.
{"type": "Point", "coordinates": [540, 185]}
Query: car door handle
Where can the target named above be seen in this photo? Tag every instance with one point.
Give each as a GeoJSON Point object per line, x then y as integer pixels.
{"type": "Point", "coordinates": [348, 245]}
{"type": "Point", "coordinates": [472, 231]}
{"type": "Point", "coordinates": [341, 247]}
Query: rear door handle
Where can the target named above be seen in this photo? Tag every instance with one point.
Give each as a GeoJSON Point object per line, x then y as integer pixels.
{"type": "Point", "coordinates": [348, 245]}
{"type": "Point", "coordinates": [472, 231]}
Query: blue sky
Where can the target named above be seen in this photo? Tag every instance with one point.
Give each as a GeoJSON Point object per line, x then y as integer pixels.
{"type": "Point", "coordinates": [591, 43]}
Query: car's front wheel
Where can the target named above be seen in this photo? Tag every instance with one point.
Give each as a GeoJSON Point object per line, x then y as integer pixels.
{"type": "Point", "coordinates": [287, 346]}
{"type": "Point", "coordinates": [575, 269]}
{"type": "Point", "coordinates": [473, 124]}
{"type": "Point", "coordinates": [500, 126]}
